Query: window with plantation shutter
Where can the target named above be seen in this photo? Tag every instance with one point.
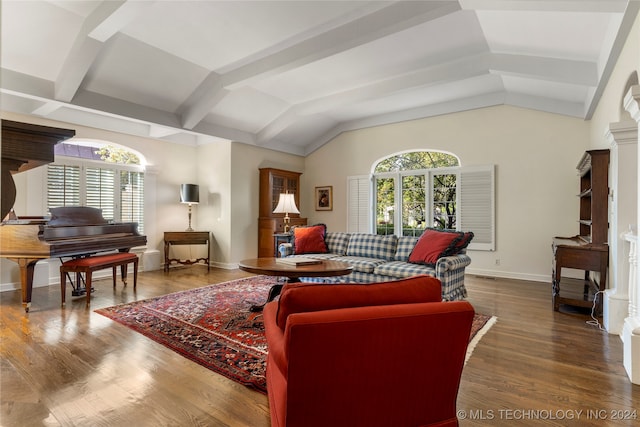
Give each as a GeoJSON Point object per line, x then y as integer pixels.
{"type": "Point", "coordinates": [85, 179]}
{"type": "Point", "coordinates": [405, 202]}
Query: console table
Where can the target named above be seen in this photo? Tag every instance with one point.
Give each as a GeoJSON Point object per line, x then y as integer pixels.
{"type": "Point", "coordinates": [185, 238]}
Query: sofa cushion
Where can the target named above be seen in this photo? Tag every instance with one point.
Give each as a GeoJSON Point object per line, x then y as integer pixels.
{"type": "Point", "coordinates": [401, 269]}
{"type": "Point", "coordinates": [434, 244]}
{"type": "Point", "coordinates": [309, 240]}
{"type": "Point", "coordinates": [337, 242]}
{"type": "Point", "coordinates": [372, 246]}
{"type": "Point", "coordinates": [405, 246]}
{"type": "Point", "coordinates": [365, 265]}
{"type": "Point", "coordinates": [304, 297]}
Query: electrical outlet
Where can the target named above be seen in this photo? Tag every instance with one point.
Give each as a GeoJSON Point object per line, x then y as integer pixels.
{"type": "Point", "coordinates": [497, 261]}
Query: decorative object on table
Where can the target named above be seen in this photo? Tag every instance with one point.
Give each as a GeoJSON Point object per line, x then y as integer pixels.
{"type": "Point", "coordinates": [286, 205]}
{"type": "Point", "coordinates": [298, 261]}
{"type": "Point", "coordinates": [231, 338]}
{"type": "Point", "coordinates": [190, 194]}
{"type": "Point", "coordinates": [324, 198]}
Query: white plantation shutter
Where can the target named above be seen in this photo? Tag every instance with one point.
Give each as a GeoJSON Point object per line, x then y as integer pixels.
{"type": "Point", "coordinates": [63, 186]}
{"type": "Point", "coordinates": [132, 198]}
{"type": "Point", "coordinates": [99, 190]}
{"type": "Point", "coordinates": [359, 204]}
{"type": "Point", "coordinates": [477, 212]}
{"type": "Point", "coordinates": [119, 193]}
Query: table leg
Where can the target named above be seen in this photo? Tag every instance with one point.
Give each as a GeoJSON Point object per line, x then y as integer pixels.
{"type": "Point", "coordinates": [273, 293]}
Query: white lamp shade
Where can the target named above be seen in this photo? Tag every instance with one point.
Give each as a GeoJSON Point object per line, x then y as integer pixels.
{"type": "Point", "coordinates": [286, 204]}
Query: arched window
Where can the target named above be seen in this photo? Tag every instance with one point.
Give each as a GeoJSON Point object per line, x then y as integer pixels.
{"type": "Point", "coordinates": [100, 175]}
{"type": "Point", "coordinates": [415, 191]}
{"type": "Point", "coordinates": [410, 191]}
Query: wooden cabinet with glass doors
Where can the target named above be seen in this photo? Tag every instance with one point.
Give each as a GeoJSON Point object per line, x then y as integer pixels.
{"type": "Point", "coordinates": [272, 183]}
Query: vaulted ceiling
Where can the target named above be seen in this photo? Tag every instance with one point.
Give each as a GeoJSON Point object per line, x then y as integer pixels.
{"type": "Point", "coordinates": [292, 75]}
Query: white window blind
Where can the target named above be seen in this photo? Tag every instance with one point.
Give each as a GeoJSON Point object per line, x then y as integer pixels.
{"type": "Point", "coordinates": [359, 206]}
{"type": "Point", "coordinates": [477, 205]}
{"type": "Point", "coordinates": [100, 187]}
{"type": "Point", "coordinates": [63, 186]}
{"type": "Point", "coordinates": [132, 197]}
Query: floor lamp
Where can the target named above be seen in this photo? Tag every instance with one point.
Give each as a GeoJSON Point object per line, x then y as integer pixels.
{"type": "Point", "coordinates": [189, 193]}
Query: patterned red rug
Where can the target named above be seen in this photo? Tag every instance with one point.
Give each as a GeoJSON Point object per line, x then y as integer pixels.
{"type": "Point", "coordinates": [214, 327]}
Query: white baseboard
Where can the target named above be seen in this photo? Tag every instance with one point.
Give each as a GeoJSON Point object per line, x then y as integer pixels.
{"type": "Point", "coordinates": [224, 265]}
{"type": "Point", "coordinates": [546, 278]}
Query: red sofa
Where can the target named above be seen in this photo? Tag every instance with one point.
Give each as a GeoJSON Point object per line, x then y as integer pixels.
{"type": "Point", "coordinates": [384, 354]}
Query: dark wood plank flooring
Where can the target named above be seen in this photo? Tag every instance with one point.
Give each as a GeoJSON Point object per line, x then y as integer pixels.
{"type": "Point", "coordinates": [73, 367]}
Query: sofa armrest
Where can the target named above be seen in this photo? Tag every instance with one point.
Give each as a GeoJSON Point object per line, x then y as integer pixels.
{"type": "Point", "coordinates": [453, 262]}
{"type": "Point", "coordinates": [275, 337]}
{"type": "Point", "coordinates": [450, 272]}
{"type": "Point", "coordinates": [285, 249]}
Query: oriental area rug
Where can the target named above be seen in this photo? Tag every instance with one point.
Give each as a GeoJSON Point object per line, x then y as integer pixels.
{"type": "Point", "coordinates": [214, 327]}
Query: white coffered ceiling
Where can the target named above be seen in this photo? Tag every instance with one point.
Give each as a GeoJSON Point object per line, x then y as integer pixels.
{"type": "Point", "coordinates": [291, 75]}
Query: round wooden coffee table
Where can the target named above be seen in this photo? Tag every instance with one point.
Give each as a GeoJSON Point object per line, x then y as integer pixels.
{"type": "Point", "coordinates": [293, 273]}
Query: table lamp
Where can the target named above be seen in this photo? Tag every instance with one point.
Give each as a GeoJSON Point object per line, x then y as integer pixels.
{"type": "Point", "coordinates": [286, 205]}
{"type": "Point", "coordinates": [189, 193]}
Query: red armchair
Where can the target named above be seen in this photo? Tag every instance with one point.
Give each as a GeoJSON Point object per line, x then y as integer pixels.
{"type": "Point", "coordinates": [388, 354]}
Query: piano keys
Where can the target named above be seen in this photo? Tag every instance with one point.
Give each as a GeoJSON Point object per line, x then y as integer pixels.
{"type": "Point", "coordinates": [71, 231]}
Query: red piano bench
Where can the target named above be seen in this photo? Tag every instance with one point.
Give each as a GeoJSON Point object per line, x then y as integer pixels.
{"type": "Point", "coordinates": [99, 262]}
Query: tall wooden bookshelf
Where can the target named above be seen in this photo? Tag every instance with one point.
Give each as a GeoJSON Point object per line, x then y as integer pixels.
{"type": "Point", "coordinates": [272, 183]}
{"type": "Point", "coordinates": [587, 251]}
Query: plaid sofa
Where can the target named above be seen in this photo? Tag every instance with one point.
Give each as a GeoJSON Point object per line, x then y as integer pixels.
{"type": "Point", "coordinates": [377, 258]}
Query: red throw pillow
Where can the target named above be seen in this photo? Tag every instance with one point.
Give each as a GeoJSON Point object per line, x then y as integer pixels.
{"type": "Point", "coordinates": [309, 240]}
{"type": "Point", "coordinates": [463, 243]}
{"type": "Point", "coordinates": [434, 244]}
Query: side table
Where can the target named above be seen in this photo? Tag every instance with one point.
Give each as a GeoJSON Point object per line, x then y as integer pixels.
{"type": "Point", "coordinates": [185, 238]}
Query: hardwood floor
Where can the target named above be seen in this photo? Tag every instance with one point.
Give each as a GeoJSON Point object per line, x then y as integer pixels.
{"type": "Point", "coordinates": [73, 367]}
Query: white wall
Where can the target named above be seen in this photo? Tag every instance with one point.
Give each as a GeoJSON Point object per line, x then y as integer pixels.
{"type": "Point", "coordinates": [214, 210]}
{"type": "Point", "coordinates": [535, 155]}
{"type": "Point", "coordinates": [624, 170]}
{"type": "Point", "coordinates": [610, 109]}
{"type": "Point", "coordinates": [245, 162]}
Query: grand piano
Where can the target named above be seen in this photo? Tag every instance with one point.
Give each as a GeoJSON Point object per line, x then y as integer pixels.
{"type": "Point", "coordinates": [69, 232]}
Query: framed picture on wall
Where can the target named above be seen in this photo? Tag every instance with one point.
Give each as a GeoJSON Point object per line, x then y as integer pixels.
{"type": "Point", "coordinates": [324, 198]}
